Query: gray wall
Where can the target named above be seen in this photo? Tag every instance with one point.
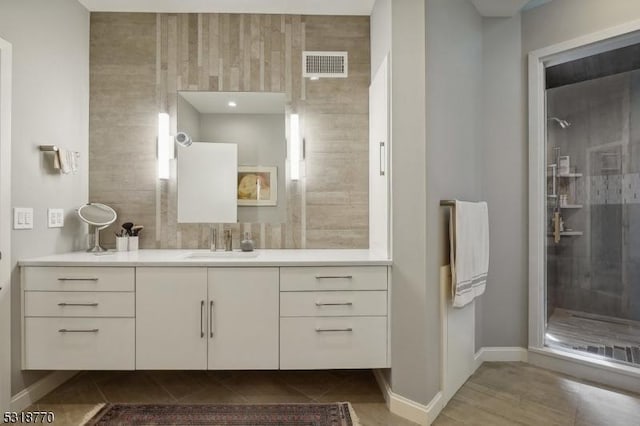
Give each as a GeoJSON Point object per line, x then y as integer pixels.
{"type": "Point", "coordinates": [562, 20]}
{"type": "Point", "coordinates": [188, 119]}
{"type": "Point", "coordinates": [50, 106]}
{"type": "Point", "coordinates": [454, 127]}
{"type": "Point", "coordinates": [504, 177]}
{"type": "Point", "coordinates": [414, 305]}
{"type": "Point", "coordinates": [261, 141]}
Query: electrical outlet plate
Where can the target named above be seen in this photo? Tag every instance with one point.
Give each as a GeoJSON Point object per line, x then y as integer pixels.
{"type": "Point", "coordinates": [55, 218]}
{"type": "Point", "coordinates": [22, 218]}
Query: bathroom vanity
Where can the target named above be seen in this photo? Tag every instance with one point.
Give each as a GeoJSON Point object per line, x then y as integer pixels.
{"type": "Point", "coordinates": [198, 310]}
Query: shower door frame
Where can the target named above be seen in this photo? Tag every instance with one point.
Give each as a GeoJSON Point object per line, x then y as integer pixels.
{"type": "Point", "coordinates": [538, 60]}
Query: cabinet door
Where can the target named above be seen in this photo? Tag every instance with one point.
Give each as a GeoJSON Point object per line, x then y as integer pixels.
{"type": "Point", "coordinates": [379, 160]}
{"type": "Point", "coordinates": [171, 318]}
{"type": "Point", "coordinates": [243, 318]}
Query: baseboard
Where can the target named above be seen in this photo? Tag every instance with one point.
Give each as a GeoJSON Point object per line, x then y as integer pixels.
{"type": "Point", "coordinates": [406, 408]}
{"type": "Point", "coordinates": [37, 390]}
{"type": "Point", "coordinates": [500, 354]}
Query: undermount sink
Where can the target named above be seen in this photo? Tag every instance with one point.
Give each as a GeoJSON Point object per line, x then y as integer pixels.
{"type": "Point", "coordinates": [221, 254]}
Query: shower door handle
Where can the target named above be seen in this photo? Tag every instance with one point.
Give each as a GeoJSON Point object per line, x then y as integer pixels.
{"type": "Point", "coordinates": [383, 159]}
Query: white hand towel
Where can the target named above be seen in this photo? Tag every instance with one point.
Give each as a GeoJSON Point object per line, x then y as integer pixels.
{"type": "Point", "coordinates": [64, 159]}
{"type": "Point", "coordinates": [469, 242]}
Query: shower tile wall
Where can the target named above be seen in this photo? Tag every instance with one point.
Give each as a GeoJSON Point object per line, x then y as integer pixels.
{"type": "Point", "coordinates": [598, 272]}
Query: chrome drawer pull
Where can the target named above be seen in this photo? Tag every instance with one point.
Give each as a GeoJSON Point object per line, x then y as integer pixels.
{"type": "Point", "coordinates": [77, 279]}
{"type": "Point", "coordinates": [334, 304]}
{"type": "Point", "coordinates": [201, 318]}
{"type": "Point", "coordinates": [333, 277]}
{"type": "Point", "coordinates": [211, 318]}
{"type": "Point", "coordinates": [323, 330]}
{"type": "Point", "coordinates": [65, 330]}
{"type": "Point", "coordinates": [77, 304]}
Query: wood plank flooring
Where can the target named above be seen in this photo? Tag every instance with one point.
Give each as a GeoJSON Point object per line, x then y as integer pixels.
{"type": "Point", "coordinates": [497, 394]}
{"type": "Point", "coordinates": [521, 394]}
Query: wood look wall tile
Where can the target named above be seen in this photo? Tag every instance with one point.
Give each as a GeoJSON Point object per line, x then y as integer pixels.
{"type": "Point", "coordinates": [137, 70]}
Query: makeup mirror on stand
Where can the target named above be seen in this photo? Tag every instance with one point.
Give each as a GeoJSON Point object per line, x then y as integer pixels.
{"type": "Point", "coordinates": [99, 216]}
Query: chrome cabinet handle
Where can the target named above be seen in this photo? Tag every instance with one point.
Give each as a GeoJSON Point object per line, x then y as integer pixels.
{"type": "Point", "coordinates": [65, 330]}
{"type": "Point", "coordinates": [76, 279]}
{"type": "Point", "coordinates": [334, 304]}
{"type": "Point", "coordinates": [333, 277]}
{"type": "Point", "coordinates": [77, 304]}
{"type": "Point", "coordinates": [324, 330]}
{"type": "Point", "coordinates": [201, 318]}
{"type": "Point", "coordinates": [211, 318]}
{"type": "Point", "coordinates": [382, 159]}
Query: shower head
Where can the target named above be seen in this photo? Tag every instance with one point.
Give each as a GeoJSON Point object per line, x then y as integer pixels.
{"type": "Point", "coordinates": [562, 123]}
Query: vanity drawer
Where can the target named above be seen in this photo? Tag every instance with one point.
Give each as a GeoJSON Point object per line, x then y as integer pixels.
{"type": "Point", "coordinates": [333, 278]}
{"type": "Point", "coordinates": [82, 278]}
{"type": "Point", "coordinates": [96, 344]}
{"type": "Point", "coordinates": [331, 343]}
{"type": "Point", "coordinates": [333, 303]}
{"type": "Point", "coordinates": [78, 304]}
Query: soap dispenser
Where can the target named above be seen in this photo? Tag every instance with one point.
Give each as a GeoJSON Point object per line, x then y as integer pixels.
{"type": "Point", "coordinates": [247, 243]}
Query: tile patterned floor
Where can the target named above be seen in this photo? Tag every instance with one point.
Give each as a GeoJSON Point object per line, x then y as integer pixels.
{"type": "Point", "coordinates": [73, 400]}
{"type": "Point", "coordinates": [497, 394]}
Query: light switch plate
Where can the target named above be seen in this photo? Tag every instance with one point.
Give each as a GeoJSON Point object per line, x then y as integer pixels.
{"type": "Point", "coordinates": [55, 218]}
{"type": "Point", "coordinates": [22, 218]}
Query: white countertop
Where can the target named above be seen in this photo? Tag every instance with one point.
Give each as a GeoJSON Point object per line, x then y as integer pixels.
{"type": "Point", "coordinates": [186, 257]}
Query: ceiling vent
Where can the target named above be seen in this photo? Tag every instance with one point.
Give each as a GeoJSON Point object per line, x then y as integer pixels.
{"type": "Point", "coordinates": [325, 64]}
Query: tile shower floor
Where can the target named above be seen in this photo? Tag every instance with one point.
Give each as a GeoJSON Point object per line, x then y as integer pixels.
{"type": "Point", "coordinates": [607, 337]}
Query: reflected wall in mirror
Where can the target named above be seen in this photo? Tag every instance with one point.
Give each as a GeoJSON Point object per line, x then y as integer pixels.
{"type": "Point", "coordinates": [256, 123]}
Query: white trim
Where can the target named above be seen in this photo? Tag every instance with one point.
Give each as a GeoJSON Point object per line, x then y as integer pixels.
{"type": "Point", "coordinates": [500, 354]}
{"type": "Point", "coordinates": [37, 390]}
{"type": "Point", "coordinates": [406, 408]}
{"type": "Point", "coordinates": [584, 367]}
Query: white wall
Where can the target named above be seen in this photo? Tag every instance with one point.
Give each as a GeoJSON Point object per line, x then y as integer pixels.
{"type": "Point", "coordinates": [50, 106]}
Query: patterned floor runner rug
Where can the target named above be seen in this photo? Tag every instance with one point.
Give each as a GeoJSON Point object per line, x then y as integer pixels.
{"type": "Point", "coordinates": [335, 414]}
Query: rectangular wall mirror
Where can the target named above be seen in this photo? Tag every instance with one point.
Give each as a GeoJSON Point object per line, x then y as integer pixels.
{"type": "Point", "coordinates": [256, 123]}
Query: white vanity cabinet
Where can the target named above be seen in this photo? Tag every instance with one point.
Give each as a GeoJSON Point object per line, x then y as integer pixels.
{"type": "Point", "coordinates": [158, 310]}
{"type": "Point", "coordinates": [199, 318]}
{"type": "Point", "coordinates": [243, 319]}
{"type": "Point", "coordinates": [78, 318]}
{"type": "Point", "coordinates": [333, 317]}
{"type": "Point", "coordinates": [171, 323]}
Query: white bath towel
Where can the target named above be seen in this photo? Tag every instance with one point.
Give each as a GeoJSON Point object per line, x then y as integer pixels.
{"type": "Point", "coordinates": [469, 242]}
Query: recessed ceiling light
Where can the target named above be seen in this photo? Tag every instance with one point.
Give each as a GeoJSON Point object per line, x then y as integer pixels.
{"type": "Point", "coordinates": [314, 78]}
{"type": "Point", "coordinates": [232, 104]}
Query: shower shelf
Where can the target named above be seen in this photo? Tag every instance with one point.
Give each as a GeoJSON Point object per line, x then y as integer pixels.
{"type": "Point", "coordinates": [570, 175]}
{"type": "Point", "coordinates": [568, 234]}
{"type": "Point", "coordinates": [571, 206]}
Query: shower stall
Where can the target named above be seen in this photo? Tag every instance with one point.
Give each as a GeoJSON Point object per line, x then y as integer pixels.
{"type": "Point", "coordinates": [592, 220]}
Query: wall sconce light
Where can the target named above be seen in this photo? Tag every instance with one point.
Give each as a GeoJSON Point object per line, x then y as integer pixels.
{"type": "Point", "coordinates": [294, 146]}
{"type": "Point", "coordinates": [165, 146]}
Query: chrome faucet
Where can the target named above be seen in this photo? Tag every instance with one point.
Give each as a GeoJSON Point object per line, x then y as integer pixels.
{"type": "Point", "coordinates": [214, 238]}
{"type": "Point", "coordinates": [228, 240]}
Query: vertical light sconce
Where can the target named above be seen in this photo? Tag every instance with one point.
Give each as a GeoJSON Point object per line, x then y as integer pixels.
{"type": "Point", "coordinates": [165, 146]}
{"type": "Point", "coordinates": [294, 146]}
